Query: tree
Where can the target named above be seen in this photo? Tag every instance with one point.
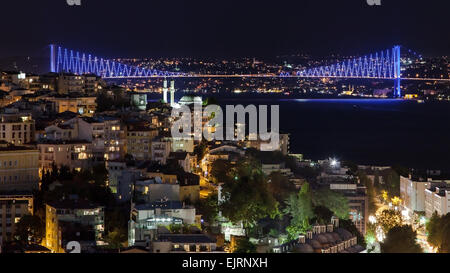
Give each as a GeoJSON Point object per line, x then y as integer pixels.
{"type": "Point", "coordinates": [179, 228]}
{"type": "Point", "coordinates": [106, 101]}
{"type": "Point", "coordinates": [332, 200]}
{"type": "Point", "coordinates": [309, 173]}
{"type": "Point", "coordinates": [175, 228]}
{"type": "Point", "coordinates": [434, 231]}
{"type": "Point", "coordinates": [30, 229]}
{"type": "Point", "coordinates": [116, 218]}
{"type": "Point", "coordinates": [392, 183]}
{"type": "Point", "coordinates": [299, 207]}
{"type": "Point", "coordinates": [438, 229]}
{"type": "Point", "coordinates": [445, 245]}
{"type": "Point", "coordinates": [200, 150]}
{"type": "Point", "coordinates": [116, 238]}
{"type": "Point", "coordinates": [208, 208]}
{"type": "Point", "coordinates": [401, 170]}
{"type": "Point", "coordinates": [376, 181]}
{"type": "Point", "coordinates": [350, 227]}
{"type": "Point", "coordinates": [401, 239]}
{"type": "Point", "coordinates": [371, 191]}
{"type": "Point", "coordinates": [352, 166]}
{"type": "Point", "coordinates": [390, 219]}
{"type": "Point", "coordinates": [220, 170]}
{"type": "Point", "coordinates": [280, 186]}
{"type": "Point", "coordinates": [247, 198]}
{"type": "Point", "coordinates": [323, 215]}
{"type": "Point", "coordinates": [244, 246]}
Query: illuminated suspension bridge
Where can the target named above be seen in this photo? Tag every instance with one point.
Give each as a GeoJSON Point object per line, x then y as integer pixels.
{"type": "Point", "coordinates": [384, 65]}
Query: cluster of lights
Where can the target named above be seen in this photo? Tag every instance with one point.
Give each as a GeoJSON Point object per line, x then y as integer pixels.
{"type": "Point", "coordinates": [161, 220]}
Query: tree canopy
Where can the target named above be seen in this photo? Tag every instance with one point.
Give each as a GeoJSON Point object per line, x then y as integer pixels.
{"type": "Point", "coordinates": [319, 205]}
{"type": "Point", "coordinates": [244, 246]}
{"type": "Point", "coordinates": [438, 229]}
{"type": "Point", "coordinates": [30, 229]}
{"type": "Point", "coordinates": [208, 208]}
{"type": "Point", "coordinates": [246, 195]}
{"type": "Point", "coordinates": [280, 186]}
{"type": "Point", "coordinates": [299, 207]}
{"type": "Point", "coordinates": [220, 171]}
{"type": "Point", "coordinates": [389, 219]}
{"type": "Point", "coordinates": [332, 200]}
{"type": "Point", "coordinates": [401, 239]}
{"type": "Point", "coordinates": [116, 238]}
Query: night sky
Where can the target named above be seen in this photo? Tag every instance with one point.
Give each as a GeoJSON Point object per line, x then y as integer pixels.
{"type": "Point", "coordinates": [157, 28]}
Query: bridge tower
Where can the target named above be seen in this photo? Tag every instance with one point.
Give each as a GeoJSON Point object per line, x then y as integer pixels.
{"type": "Point", "coordinates": [53, 58]}
{"type": "Point", "coordinates": [397, 72]}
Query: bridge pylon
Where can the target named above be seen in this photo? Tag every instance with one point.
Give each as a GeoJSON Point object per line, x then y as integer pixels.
{"type": "Point", "coordinates": [397, 72]}
{"type": "Point", "coordinates": [52, 58]}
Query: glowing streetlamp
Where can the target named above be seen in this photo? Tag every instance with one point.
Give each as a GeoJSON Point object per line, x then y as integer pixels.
{"type": "Point", "coordinates": [423, 220]}
{"type": "Point", "coordinates": [380, 234]}
{"type": "Point", "coordinates": [334, 163]}
{"type": "Point", "coordinates": [405, 215]}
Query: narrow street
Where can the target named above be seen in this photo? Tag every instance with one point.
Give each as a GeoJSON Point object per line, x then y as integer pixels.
{"type": "Point", "coordinates": [416, 225]}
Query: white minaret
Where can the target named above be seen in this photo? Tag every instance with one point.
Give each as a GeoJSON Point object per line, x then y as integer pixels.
{"type": "Point", "coordinates": [165, 90]}
{"type": "Point", "coordinates": [172, 93]}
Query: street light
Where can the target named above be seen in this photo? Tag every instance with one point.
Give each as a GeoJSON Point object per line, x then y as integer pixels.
{"type": "Point", "coordinates": [334, 162]}
{"type": "Point", "coordinates": [423, 220]}
{"type": "Point", "coordinates": [405, 214]}
{"type": "Point", "coordinates": [380, 234]}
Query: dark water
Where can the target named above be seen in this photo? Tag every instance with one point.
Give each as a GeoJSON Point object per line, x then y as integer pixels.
{"type": "Point", "coordinates": [383, 132]}
{"type": "Point", "coordinates": [366, 131]}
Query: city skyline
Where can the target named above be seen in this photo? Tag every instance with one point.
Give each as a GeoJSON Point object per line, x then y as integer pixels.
{"type": "Point", "coordinates": [214, 127]}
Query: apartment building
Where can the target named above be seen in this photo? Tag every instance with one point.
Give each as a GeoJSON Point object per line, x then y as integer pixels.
{"type": "Point", "coordinates": [17, 128]}
{"type": "Point", "coordinates": [74, 154]}
{"type": "Point", "coordinates": [437, 199]}
{"type": "Point", "coordinates": [84, 106]}
{"type": "Point", "coordinates": [160, 151]}
{"type": "Point", "coordinates": [19, 168]}
{"type": "Point", "coordinates": [146, 218]}
{"type": "Point", "coordinates": [412, 193]}
{"type": "Point", "coordinates": [12, 208]}
{"type": "Point", "coordinates": [139, 142]}
{"type": "Point", "coordinates": [70, 83]}
{"type": "Point", "coordinates": [69, 218]}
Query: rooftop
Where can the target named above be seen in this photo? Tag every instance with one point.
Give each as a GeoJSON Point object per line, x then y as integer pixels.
{"type": "Point", "coordinates": [62, 142]}
{"type": "Point", "coordinates": [186, 238]}
{"type": "Point", "coordinates": [74, 204]}
{"type": "Point", "coordinates": [178, 155]}
{"type": "Point", "coordinates": [5, 147]}
{"type": "Point", "coordinates": [161, 205]}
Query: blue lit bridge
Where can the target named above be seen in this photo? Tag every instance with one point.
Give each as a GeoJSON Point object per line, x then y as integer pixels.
{"type": "Point", "coordinates": [384, 65]}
